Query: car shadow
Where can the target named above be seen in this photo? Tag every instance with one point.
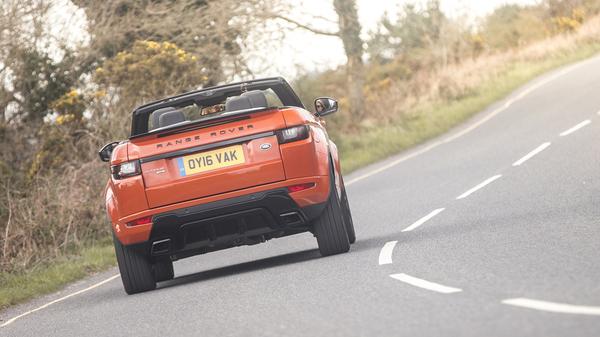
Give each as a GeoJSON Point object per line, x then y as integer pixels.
{"type": "Point", "coordinates": [366, 244]}
{"type": "Point", "coordinates": [266, 263]}
{"type": "Point", "coordinates": [363, 244]}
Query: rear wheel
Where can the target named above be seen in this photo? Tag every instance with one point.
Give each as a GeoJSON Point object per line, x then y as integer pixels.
{"type": "Point", "coordinates": [329, 226]}
{"type": "Point", "coordinates": [135, 268]}
{"type": "Point", "coordinates": [163, 270]}
{"type": "Point", "coordinates": [348, 218]}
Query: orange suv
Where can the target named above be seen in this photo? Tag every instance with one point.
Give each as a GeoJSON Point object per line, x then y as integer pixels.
{"type": "Point", "coordinates": [222, 167]}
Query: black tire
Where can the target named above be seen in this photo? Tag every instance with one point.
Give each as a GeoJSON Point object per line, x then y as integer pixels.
{"type": "Point", "coordinates": [329, 226]}
{"type": "Point", "coordinates": [163, 270]}
{"type": "Point", "coordinates": [135, 267]}
{"type": "Point", "coordinates": [348, 218]}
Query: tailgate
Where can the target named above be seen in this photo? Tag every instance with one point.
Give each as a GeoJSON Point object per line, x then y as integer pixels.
{"type": "Point", "coordinates": [229, 164]}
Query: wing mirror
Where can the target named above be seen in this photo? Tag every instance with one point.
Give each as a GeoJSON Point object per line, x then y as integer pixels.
{"type": "Point", "coordinates": [106, 151]}
{"type": "Point", "coordinates": [325, 106]}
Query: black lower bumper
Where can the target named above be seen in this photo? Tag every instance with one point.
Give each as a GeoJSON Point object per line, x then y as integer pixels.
{"type": "Point", "coordinates": [244, 220]}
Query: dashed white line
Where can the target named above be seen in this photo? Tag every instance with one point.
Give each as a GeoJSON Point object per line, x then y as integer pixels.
{"type": "Point", "coordinates": [553, 307]}
{"type": "Point", "coordinates": [510, 102]}
{"type": "Point", "coordinates": [531, 154]}
{"type": "Point", "coordinates": [417, 282]}
{"type": "Point", "coordinates": [480, 186]}
{"type": "Point", "coordinates": [58, 300]}
{"type": "Point", "coordinates": [385, 255]}
{"type": "Point", "coordinates": [470, 128]}
{"type": "Point", "coordinates": [423, 220]}
{"type": "Point", "coordinates": [575, 128]}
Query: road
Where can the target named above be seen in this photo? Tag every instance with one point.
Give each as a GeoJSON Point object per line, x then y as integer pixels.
{"type": "Point", "coordinates": [492, 229]}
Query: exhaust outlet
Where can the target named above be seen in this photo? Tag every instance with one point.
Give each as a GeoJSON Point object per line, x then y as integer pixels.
{"type": "Point", "coordinates": [290, 218]}
{"type": "Point", "coordinates": [161, 246]}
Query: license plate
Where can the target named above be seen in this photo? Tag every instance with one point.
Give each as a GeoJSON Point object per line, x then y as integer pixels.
{"type": "Point", "coordinates": [211, 160]}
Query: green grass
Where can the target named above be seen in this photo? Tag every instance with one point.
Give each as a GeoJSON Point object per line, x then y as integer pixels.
{"type": "Point", "coordinates": [430, 120]}
{"type": "Point", "coordinates": [49, 277]}
{"type": "Point", "coordinates": [434, 118]}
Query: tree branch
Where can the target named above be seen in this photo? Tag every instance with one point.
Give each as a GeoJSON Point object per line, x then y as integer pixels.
{"type": "Point", "coordinates": [305, 27]}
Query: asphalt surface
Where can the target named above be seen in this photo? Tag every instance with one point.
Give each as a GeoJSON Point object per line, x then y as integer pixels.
{"type": "Point", "coordinates": [533, 233]}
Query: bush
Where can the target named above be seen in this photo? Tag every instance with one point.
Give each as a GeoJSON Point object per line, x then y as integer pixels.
{"type": "Point", "coordinates": [51, 196]}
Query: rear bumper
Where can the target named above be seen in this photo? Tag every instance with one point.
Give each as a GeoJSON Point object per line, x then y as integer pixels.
{"type": "Point", "coordinates": [129, 235]}
{"type": "Point", "coordinates": [243, 220]}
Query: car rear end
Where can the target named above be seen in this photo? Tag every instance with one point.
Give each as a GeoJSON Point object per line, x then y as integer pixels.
{"type": "Point", "coordinates": [221, 184]}
{"type": "Point", "coordinates": [217, 168]}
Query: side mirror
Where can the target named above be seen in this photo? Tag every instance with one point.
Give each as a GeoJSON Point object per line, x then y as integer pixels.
{"type": "Point", "coordinates": [106, 151]}
{"type": "Point", "coordinates": [325, 106]}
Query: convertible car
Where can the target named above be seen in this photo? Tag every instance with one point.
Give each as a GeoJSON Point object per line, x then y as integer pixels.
{"type": "Point", "coordinates": [222, 167]}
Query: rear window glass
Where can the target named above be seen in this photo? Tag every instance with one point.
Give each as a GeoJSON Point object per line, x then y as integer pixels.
{"type": "Point", "coordinates": [171, 116]}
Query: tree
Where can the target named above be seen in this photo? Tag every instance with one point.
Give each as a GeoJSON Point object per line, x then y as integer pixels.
{"type": "Point", "coordinates": [147, 71]}
{"type": "Point", "coordinates": [29, 78]}
{"type": "Point", "coordinates": [213, 30]}
{"type": "Point", "coordinates": [349, 29]}
{"type": "Point", "coordinates": [36, 81]}
{"type": "Point", "coordinates": [415, 29]}
{"type": "Point", "coordinates": [511, 26]}
{"type": "Point", "coordinates": [353, 45]}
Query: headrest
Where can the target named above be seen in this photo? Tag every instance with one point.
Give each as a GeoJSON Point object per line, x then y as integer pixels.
{"type": "Point", "coordinates": [156, 116]}
{"type": "Point", "coordinates": [257, 98]}
{"type": "Point", "coordinates": [236, 103]}
{"type": "Point", "coordinates": [170, 118]}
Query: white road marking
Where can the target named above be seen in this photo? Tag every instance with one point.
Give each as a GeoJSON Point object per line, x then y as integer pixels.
{"type": "Point", "coordinates": [59, 300]}
{"type": "Point", "coordinates": [470, 128]}
{"type": "Point", "coordinates": [575, 128]}
{"type": "Point", "coordinates": [553, 307]}
{"type": "Point", "coordinates": [531, 154]}
{"type": "Point", "coordinates": [480, 186]}
{"type": "Point", "coordinates": [385, 255]}
{"type": "Point", "coordinates": [423, 220]}
{"type": "Point", "coordinates": [417, 282]}
{"type": "Point", "coordinates": [510, 102]}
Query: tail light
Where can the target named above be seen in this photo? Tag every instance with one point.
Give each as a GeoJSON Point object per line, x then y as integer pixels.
{"type": "Point", "coordinates": [292, 134]}
{"type": "Point", "coordinates": [124, 170]}
{"type": "Point", "coordinates": [141, 221]}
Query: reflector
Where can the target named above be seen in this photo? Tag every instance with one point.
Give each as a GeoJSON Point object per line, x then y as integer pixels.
{"type": "Point", "coordinates": [141, 221]}
{"type": "Point", "coordinates": [300, 187]}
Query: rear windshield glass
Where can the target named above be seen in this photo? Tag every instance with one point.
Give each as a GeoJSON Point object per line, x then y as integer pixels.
{"type": "Point", "coordinates": [193, 111]}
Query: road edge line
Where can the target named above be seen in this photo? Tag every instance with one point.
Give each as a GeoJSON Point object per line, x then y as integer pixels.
{"type": "Point", "coordinates": [59, 300]}
{"type": "Point", "coordinates": [475, 125]}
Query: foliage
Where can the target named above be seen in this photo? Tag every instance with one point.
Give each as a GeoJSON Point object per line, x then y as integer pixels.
{"type": "Point", "coordinates": [570, 23]}
{"type": "Point", "coordinates": [36, 81]}
{"type": "Point", "coordinates": [213, 30]}
{"type": "Point", "coordinates": [415, 29]}
{"type": "Point", "coordinates": [54, 274]}
{"type": "Point", "coordinates": [70, 105]}
{"type": "Point", "coordinates": [511, 26]}
{"type": "Point", "coordinates": [151, 70]}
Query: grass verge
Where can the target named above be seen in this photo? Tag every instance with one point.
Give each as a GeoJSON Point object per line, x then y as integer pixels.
{"type": "Point", "coordinates": [431, 119]}
{"type": "Point", "coordinates": [428, 120]}
{"type": "Point", "coordinates": [53, 275]}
